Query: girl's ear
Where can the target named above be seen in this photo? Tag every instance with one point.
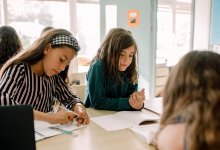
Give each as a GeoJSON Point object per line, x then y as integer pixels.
{"type": "Point", "coordinates": [47, 49]}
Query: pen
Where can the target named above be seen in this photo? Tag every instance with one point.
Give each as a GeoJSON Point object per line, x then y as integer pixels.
{"type": "Point", "coordinates": [63, 131]}
{"type": "Point", "coordinates": [64, 108]}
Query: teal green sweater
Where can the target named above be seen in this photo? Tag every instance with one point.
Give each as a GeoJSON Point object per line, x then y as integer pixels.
{"type": "Point", "coordinates": [105, 93]}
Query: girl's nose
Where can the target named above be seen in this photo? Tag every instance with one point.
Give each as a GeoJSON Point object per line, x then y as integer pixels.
{"type": "Point", "coordinates": [125, 59]}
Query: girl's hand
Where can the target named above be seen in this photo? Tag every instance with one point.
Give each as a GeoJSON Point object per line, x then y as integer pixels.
{"type": "Point", "coordinates": [140, 93]}
{"type": "Point", "coordinates": [62, 117]}
{"type": "Point", "coordinates": [82, 117]}
{"type": "Point", "coordinates": [136, 99]}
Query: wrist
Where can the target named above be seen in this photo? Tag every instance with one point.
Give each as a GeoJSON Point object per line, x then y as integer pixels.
{"type": "Point", "coordinates": [78, 106]}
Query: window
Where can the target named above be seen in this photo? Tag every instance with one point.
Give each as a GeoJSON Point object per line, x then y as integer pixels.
{"type": "Point", "coordinates": [88, 28]}
{"type": "Point", "coordinates": [29, 21]}
{"type": "Point", "coordinates": [1, 13]}
{"type": "Point", "coordinates": [30, 17]}
{"type": "Point", "coordinates": [174, 29]}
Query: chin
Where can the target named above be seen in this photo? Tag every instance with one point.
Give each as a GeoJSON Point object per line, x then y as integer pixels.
{"type": "Point", "coordinates": [49, 74]}
{"type": "Point", "coordinates": [122, 69]}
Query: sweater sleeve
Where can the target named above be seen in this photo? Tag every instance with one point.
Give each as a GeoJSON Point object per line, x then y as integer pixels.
{"type": "Point", "coordinates": [132, 88]}
{"type": "Point", "coordinates": [96, 92]}
{"type": "Point", "coordinates": [9, 84]}
{"type": "Point", "coordinates": [65, 95]}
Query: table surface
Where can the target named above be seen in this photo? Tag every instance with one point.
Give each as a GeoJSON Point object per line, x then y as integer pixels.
{"type": "Point", "coordinates": [94, 137]}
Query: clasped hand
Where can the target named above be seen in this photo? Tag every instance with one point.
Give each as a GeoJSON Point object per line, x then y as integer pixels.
{"type": "Point", "coordinates": [136, 99]}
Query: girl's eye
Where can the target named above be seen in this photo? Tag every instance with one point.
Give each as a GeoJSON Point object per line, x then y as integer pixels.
{"type": "Point", "coordinates": [130, 55]}
{"type": "Point", "coordinates": [61, 60]}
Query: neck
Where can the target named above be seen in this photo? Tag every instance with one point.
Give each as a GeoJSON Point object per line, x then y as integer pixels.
{"type": "Point", "coordinates": [38, 68]}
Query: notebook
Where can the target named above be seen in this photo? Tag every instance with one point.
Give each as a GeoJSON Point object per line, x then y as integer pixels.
{"type": "Point", "coordinates": [155, 105]}
{"type": "Point", "coordinates": [125, 119]}
{"type": "Point", "coordinates": [17, 127]}
{"type": "Point", "coordinates": [45, 130]}
{"type": "Point", "coordinates": [147, 133]}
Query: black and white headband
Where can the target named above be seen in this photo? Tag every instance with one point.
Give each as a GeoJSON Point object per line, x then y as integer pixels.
{"type": "Point", "coordinates": [67, 40]}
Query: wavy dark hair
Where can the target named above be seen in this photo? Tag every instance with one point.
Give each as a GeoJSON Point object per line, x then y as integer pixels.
{"type": "Point", "coordinates": [10, 43]}
{"type": "Point", "coordinates": [109, 52]}
{"type": "Point", "coordinates": [192, 92]}
{"type": "Point", "coordinates": [35, 52]}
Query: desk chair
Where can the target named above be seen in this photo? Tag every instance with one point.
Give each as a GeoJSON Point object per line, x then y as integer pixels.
{"type": "Point", "coordinates": [17, 128]}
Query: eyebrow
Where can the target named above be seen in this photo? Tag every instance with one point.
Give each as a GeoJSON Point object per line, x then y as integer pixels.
{"type": "Point", "coordinates": [126, 52]}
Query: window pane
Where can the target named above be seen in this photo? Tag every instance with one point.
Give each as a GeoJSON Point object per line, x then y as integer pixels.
{"type": "Point", "coordinates": [1, 13]}
{"type": "Point", "coordinates": [30, 17]}
{"type": "Point", "coordinates": [164, 33]}
{"type": "Point", "coordinates": [88, 28]}
{"type": "Point", "coordinates": [174, 30]}
{"type": "Point", "coordinates": [183, 29]}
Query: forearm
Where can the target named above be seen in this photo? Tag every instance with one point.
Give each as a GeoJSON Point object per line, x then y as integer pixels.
{"type": "Point", "coordinates": [114, 104]}
{"type": "Point", "coordinates": [47, 117]}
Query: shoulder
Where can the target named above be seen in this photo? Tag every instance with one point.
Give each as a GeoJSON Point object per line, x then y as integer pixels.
{"type": "Point", "coordinates": [97, 65]}
{"type": "Point", "coordinates": [96, 70]}
{"type": "Point", "coordinates": [17, 68]}
{"type": "Point", "coordinates": [172, 137]}
{"type": "Point", "coordinates": [16, 71]}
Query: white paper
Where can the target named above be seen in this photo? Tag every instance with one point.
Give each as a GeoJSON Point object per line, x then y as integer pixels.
{"type": "Point", "coordinates": [111, 122]}
{"type": "Point", "coordinates": [70, 127]}
{"type": "Point", "coordinates": [38, 137]}
{"type": "Point", "coordinates": [137, 117]}
{"type": "Point", "coordinates": [123, 119]}
{"type": "Point", "coordinates": [146, 132]}
{"type": "Point", "coordinates": [43, 130]}
{"type": "Point", "coordinates": [155, 105]}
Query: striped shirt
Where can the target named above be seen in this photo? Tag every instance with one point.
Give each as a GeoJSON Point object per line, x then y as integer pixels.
{"type": "Point", "coordinates": [19, 85]}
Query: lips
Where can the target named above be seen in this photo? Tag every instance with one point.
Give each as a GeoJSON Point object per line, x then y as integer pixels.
{"type": "Point", "coordinates": [124, 65]}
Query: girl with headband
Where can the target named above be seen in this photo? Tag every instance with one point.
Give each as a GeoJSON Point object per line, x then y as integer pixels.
{"type": "Point", "coordinates": [38, 75]}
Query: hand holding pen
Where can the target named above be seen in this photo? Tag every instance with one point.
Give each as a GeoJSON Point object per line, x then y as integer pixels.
{"type": "Point", "coordinates": [82, 117]}
{"type": "Point", "coordinates": [79, 114]}
{"type": "Point", "coordinates": [61, 117]}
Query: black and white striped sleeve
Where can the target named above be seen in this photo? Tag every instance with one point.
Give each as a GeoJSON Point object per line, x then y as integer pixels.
{"type": "Point", "coordinates": [9, 84]}
{"type": "Point", "coordinates": [65, 95]}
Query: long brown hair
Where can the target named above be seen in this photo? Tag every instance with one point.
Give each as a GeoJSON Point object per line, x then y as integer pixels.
{"type": "Point", "coordinates": [116, 40]}
{"type": "Point", "coordinates": [36, 51]}
{"type": "Point", "coordinates": [193, 93]}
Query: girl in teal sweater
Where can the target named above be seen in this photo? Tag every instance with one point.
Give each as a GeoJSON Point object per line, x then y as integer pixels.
{"type": "Point", "coordinates": [112, 77]}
